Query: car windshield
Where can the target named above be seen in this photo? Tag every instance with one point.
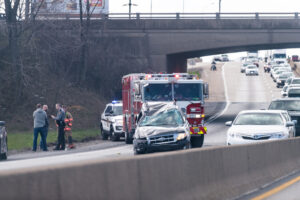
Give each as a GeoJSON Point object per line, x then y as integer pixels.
{"type": "Point", "coordinates": [290, 105]}
{"type": "Point", "coordinates": [251, 67]}
{"type": "Point", "coordinates": [295, 81]}
{"type": "Point", "coordinates": [188, 91]}
{"type": "Point", "coordinates": [171, 117]}
{"type": "Point", "coordinates": [117, 110]}
{"type": "Point", "coordinates": [259, 119]}
{"type": "Point", "coordinates": [294, 91]}
{"type": "Point", "coordinates": [158, 92]}
{"type": "Point", "coordinates": [279, 55]}
{"type": "Point", "coordinates": [284, 76]}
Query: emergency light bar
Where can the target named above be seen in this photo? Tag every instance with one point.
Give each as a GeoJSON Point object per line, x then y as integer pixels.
{"type": "Point", "coordinates": [115, 102]}
{"type": "Point", "coordinates": [184, 76]}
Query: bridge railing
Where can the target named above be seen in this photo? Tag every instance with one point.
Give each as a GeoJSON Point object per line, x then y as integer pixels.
{"type": "Point", "coordinates": [177, 16]}
{"type": "Point", "coordinates": [274, 15]}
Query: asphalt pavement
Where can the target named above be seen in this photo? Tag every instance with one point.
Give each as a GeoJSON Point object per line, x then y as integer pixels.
{"type": "Point", "coordinates": [241, 92]}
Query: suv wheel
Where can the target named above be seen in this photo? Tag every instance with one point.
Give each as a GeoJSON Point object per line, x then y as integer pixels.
{"type": "Point", "coordinates": [103, 134]}
{"type": "Point", "coordinates": [113, 136]}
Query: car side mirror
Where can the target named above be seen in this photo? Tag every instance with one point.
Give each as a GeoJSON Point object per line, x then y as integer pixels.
{"type": "Point", "coordinates": [229, 123]}
{"type": "Point", "coordinates": [295, 122]}
{"type": "Point", "coordinates": [289, 124]}
{"type": "Point", "coordinates": [2, 123]}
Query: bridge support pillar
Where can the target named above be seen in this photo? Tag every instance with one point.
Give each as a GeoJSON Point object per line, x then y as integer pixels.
{"type": "Point", "coordinates": [176, 63]}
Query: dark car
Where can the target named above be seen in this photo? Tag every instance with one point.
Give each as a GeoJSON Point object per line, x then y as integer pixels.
{"type": "Point", "coordinates": [3, 141]}
{"type": "Point", "coordinates": [292, 105]}
{"type": "Point", "coordinates": [161, 127]}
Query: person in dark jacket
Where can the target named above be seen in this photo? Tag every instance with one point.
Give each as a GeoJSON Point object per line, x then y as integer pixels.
{"type": "Point", "coordinates": [39, 119]}
{"type": "Point", "coordinates": [45, 108]}
{"type": "Point", "coordinates": [60, 121]}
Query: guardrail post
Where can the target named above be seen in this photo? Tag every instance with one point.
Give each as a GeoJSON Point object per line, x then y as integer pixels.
{"type": "Point", "coordinates": [217, 15]}
{"type": "Point", "coordinates": [296, 15]}
{"type": "Point", "coordinates": [256, 16]}
{"type": "Point", "coordinates": [104, 16]}
{"type": "Point", "coordinates": [177, 16]}
{"type": "Point", "coordinates": [137, 15]}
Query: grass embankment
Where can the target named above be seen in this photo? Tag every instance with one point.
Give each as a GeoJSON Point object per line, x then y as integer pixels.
{"type": "Point", "coordinates": [23, 141]}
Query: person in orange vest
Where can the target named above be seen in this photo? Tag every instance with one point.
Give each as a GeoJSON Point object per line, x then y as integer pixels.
{"type": "Point", "coordinates": [68, 128]}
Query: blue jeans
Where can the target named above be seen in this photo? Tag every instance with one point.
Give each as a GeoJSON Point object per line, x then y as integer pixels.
{"type": "Point", "coordinates": [41, 141]}
{"type": "Point", "coordinates": [36, 132]}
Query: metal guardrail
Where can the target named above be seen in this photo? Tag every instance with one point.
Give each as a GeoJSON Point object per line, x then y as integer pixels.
{"type": "Point", "coordinates": [137, 16]}
{"type": "Point", "coordinates": [256, 15]}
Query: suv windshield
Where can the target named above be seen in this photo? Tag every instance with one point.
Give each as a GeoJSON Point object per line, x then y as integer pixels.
{"type": "Point", "coordinates": [158, 92]}
{"type": "Point", "coordinates": [171, 117]}
{"type": "Point", "coordinates": [291, 105]}
{"type": "Point", "coordinates": [117, 110]}
{"type": "Point", "coordinates": [259, 119]}
{"type": "Point", "coordinates": [188, 91]}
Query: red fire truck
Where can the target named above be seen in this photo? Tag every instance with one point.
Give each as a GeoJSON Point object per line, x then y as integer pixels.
{"type": "Point", "coordinates": [186, 90]}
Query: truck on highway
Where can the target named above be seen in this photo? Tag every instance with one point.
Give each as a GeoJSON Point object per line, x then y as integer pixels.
{"type": "Point", "coordinates": [186, 90]}
{"type": "Point", "coordinates": [279, 56]}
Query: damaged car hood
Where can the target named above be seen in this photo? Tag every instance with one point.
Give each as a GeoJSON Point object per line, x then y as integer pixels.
{"type": "Point", "coordinates": [148, 131]}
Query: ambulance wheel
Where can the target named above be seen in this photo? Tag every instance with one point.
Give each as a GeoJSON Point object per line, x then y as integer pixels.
{"type": "Point", "coordinates": [104, 136]}
{"type": "Point", "coordinates": [128, 139]}
{"type": "Point", "coordinates": [113, 136]}
{"type": "Point", "coordinates": [197, 142]}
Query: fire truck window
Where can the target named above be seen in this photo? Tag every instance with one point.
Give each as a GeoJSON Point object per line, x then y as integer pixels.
{"type": "Point", "coordinates": [188, 92]}
{"type": "Point", "coordinates": [158, 92]}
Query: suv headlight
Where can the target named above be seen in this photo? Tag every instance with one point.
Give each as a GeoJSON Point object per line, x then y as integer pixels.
{"type": "Point", "coordinates": [181, 136]}
{"type": "Point", "coordinates": [119, 122]}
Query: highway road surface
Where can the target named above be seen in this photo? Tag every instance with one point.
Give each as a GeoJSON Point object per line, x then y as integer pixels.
{"type": "Point", "coordinates": [241, 92]}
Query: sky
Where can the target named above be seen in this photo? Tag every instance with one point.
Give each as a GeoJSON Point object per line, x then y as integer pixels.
{"type": "Point", "coordinates": [117, 6]}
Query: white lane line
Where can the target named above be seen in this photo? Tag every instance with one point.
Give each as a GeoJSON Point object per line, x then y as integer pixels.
{"type": "Point", "coordinates": [214, 117]}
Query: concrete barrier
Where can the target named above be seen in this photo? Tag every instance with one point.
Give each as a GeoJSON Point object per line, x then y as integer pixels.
{"type": "Point", "coordinates": [210, 173]}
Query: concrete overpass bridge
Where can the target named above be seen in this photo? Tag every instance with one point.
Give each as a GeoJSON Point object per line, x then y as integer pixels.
{"type": "Point", "coordinates": [163, 42]}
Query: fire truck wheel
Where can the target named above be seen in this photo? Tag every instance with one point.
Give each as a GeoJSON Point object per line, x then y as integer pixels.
{"type": "Point", "coordinates": [128, 140]}
{"type": "Point", "coordinates": [103, 134]}
{"type": "Point", "coordinates": [197, 141]}
{"type": "Point", "coordinates": [113, 137]}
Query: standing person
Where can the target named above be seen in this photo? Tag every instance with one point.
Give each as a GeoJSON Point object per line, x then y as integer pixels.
{"type": "Point", "coordinates": [68, 128]}
{"type": "Point", "coordinates": [39, 119]}
{"type": "Point", "coordinates": [60, 121]}
{"type": "Point", "coordinates": [45, 108]}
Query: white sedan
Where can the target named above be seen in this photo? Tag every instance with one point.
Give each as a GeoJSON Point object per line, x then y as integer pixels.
{"type": "Point", "coordinates": [254, 126]}
{"type": "Point", "coordinates": [251, 70]}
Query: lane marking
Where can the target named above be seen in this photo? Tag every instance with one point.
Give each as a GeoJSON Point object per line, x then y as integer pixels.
{"type": "Point", "coordinates": [216, 116]}
{"type": "Point", "coordinates": [277, 189]}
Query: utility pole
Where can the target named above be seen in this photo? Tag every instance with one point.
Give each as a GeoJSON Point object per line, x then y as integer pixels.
{"type": "Point", "coordinates": [129, 5]}
{"type": "Point", "coordinates": [220, 6]}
